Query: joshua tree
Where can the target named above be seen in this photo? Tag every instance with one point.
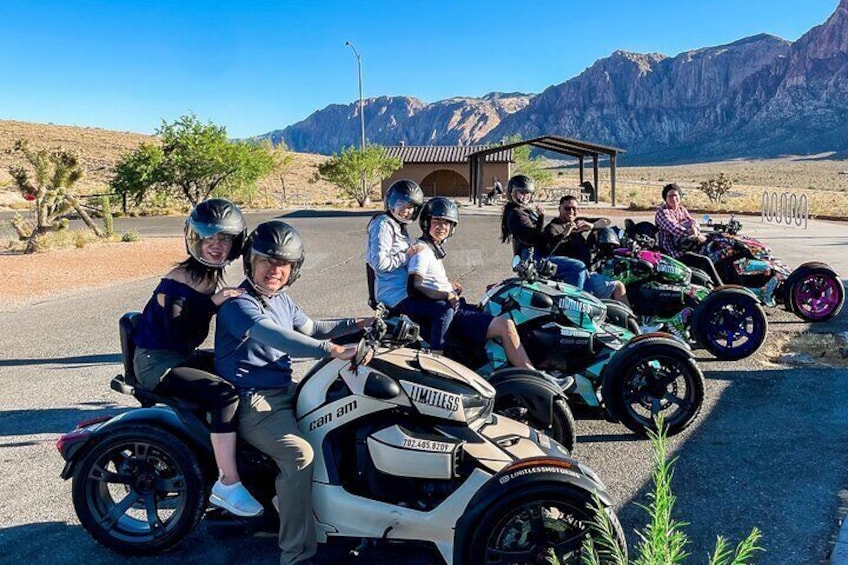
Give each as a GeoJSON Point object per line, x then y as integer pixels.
{"type": "Point", "coordinates": [47, 179]}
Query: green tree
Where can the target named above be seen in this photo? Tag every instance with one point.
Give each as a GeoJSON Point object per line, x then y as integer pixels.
{"type": "Point", "coordinates": [347, 169]}
{"type": "Point", "coordinates": [47, 178]}
{"type": "Point", "coordinates": [527, 165]}
{"type": "Point", "coordinates": [194, 160]}
{"type": "Point", "coordinates": [715, 188]}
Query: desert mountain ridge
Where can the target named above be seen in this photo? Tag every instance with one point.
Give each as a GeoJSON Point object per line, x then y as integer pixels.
{"type": "Point", "coordinates": [757, 97]}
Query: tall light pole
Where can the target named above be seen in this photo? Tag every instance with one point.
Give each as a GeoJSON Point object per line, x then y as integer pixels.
{"type": "Point", "coordinates": [361, 101]}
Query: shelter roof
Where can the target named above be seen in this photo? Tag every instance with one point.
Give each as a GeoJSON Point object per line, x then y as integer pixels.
{"type": "Point", "coordinates": [447, 153]}
{"type": "Point", "coordinates": [564, 145]}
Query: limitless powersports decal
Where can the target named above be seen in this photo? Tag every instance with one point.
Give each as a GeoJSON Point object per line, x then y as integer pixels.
{"type": "Point", "coordinates": [535, 470]}
{"type": "Point", "coordinates": [435, 402]}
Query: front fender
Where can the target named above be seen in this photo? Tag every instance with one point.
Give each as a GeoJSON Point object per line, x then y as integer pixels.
{"type": "Point", "coordinates": [526, 475]}
{"type": "Point", "coordinates": [527, 388]}
{"type": "Point", "coordinates": [189, 429]}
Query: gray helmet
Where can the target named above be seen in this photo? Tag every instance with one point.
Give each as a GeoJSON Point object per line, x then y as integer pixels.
{"type": "Point", "coordinates": [439, 207]}
{"type": "Point", "coordinates": [403, 192]}
{"type": "Point", "coordinates": [278, 240]}
{"type": "Point", "coordinates": [519, 183]}
{"type": "Point", "coordinates": [211, 217]}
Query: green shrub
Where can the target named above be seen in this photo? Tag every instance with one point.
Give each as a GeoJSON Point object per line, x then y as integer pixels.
{"type": "Point", "coordinates": [130, 236]}
{"type": "Point", "coordinates": [663, 540]}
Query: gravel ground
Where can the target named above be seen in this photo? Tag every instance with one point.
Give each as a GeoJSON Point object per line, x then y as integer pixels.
{"type": "Point", "coordinates": [27, 279]}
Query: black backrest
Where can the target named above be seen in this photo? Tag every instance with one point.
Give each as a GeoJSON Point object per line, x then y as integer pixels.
{"type": "Point", "coordinates": [370, 276]}
{"type": "Point", "coordinates": [126, 329]}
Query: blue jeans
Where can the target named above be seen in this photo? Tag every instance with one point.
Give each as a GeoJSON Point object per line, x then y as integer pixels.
{"type": "Point", "coordinates": [571, 271]}
{"type": "Point", "coordinates": [434, 317]}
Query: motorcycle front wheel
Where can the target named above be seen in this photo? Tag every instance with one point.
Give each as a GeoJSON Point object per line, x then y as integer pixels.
{"type": "Point", "coordinates": [547, 524]}
{"type": "Point", "coordinates": [730, 324]}
{"type": "Point", "coordinates": [139, 491]}
{"type": "Point", "coordinates": [653, 378]}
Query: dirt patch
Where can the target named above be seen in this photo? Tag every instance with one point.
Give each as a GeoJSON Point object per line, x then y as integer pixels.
{"type": "Point", "coordinates": [806, 349]}
{"type": "Point", "coordinates": [25, 279]}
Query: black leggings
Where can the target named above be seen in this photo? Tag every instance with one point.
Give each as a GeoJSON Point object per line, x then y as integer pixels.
{"type": "Point", "coordinates": [208, 390]}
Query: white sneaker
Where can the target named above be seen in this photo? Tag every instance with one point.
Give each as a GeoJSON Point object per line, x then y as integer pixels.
{"type": "Point", "coordinates": [651, 328]}
{"type": "Point", "coordinates": [235, 499]}
{"type": "Point", "coordinates": [275, 502]}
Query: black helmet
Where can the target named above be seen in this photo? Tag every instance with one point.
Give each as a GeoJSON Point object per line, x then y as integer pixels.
{"type": "Point", "coordinates": [520, 183]}
{"type": "Point", "coordinates": [607, 236]}
{"type": "Point", "coordinates": [439, 207]}
{"type": "Point", "coordinates": [403, 192]}
{"type": "Point", "coordinates": [277, 240]}
{"type": "Point", "coordinates": [211, 217]}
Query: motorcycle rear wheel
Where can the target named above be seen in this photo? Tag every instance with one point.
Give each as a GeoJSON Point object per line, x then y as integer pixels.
{"type": "Point", "coordinates": [537, 524]}
{"type": "Point", "coordinates": [654, 378]}
{"type": "Point", "coordinates": [817, 295]}
{"type": "Point", "coordinates": [139, 491]}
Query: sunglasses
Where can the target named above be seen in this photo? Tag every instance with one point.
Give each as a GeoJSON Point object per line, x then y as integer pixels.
{"type": "Point", "coordinates": [569, 207]}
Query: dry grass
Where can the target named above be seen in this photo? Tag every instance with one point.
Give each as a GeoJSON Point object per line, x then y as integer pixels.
{"type": "Point", "coordinates": [824, 349]}
{"type": "Point", "coordinates": [819, 178]}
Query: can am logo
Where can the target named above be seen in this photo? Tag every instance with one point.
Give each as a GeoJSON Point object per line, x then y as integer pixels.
{"type": "Point", "coordinates": [569, 304]}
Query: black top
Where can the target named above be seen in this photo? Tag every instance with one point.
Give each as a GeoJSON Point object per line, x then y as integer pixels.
{"type": "Point", "coordinates": [574, 246]}
{"type": "Point", "coordinates": [525, 227]}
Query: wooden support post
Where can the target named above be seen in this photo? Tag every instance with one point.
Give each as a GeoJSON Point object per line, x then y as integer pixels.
{"type": "Point", "coordinates": [612, 177]}
{"type": "Point", "coordinates": [595, 173]}
{"type": "Point", "coordinates": [582, 178]}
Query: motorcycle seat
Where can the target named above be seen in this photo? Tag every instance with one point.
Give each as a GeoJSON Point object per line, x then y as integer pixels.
{"type": "Point", "coordinates": [128, 383]}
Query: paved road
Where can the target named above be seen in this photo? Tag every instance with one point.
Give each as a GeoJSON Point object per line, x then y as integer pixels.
{"type": "Point", "coordinates": [770, 449]}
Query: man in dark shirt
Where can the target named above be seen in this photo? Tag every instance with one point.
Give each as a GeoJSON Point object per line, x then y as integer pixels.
{"type": "Point", "coordinates": [575, 246]}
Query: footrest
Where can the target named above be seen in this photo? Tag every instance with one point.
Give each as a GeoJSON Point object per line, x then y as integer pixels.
{"type": "Point", "coordinates": [118, 385]}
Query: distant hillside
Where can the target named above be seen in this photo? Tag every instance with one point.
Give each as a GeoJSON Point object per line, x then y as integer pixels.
{"type": "Point", "coordinates": [100, 150]}
{"type": "Point", "coordinates": [760, 96]}
{"type": "Point", "coordinates": [396, 119]}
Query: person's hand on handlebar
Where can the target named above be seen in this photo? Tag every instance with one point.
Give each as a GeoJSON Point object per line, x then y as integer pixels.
{"type": "Point", "coordinates": [362, 323]}
{"type": "Point", "coordinates": [345, 352]}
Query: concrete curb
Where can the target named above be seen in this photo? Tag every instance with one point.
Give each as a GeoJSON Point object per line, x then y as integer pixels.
{"type": "Point", "coordinates": [839, 554]}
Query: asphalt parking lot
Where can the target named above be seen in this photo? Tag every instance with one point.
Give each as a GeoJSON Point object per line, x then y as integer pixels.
{"type": "Point", "coordinates": [769, 450]}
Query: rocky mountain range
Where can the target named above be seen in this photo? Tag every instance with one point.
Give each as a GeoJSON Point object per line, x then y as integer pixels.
{"type": "Point", "coordinates": [760, 96]}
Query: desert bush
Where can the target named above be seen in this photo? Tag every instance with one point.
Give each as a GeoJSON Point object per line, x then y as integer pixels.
{"type": "Point", "coordinates": [663, 540]}
{"type": "Point", "coordinates": [130, 236]}
{"type": "Point", "coordinates": [716, 187]}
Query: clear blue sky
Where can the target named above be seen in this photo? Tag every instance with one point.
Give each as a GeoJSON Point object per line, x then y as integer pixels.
{"type": "Point", "coordinates": [255, 66]}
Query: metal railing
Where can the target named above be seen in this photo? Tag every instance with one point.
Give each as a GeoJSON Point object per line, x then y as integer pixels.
{"type": "Point", "coordinates": [785, 208]}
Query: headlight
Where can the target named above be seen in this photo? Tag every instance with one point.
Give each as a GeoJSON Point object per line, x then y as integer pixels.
{"type": "Point", "coordinates": [477, 406]}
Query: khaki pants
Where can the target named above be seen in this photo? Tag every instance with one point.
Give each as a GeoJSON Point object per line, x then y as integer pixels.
{"type": "Point", "coordinates": [267, 421]}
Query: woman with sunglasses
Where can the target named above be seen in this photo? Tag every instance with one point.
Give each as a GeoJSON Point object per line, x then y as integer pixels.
{"type": "Point", "coordinates": [175, 322]}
